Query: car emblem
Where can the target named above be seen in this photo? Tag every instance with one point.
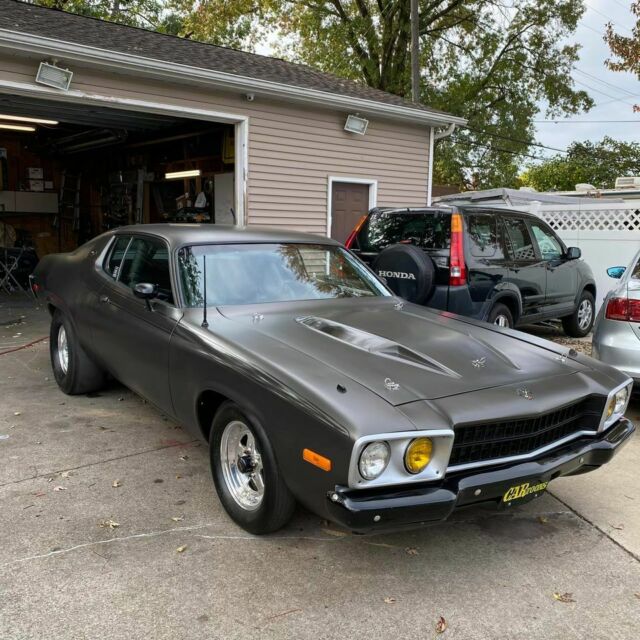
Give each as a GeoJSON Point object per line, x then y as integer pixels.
{"type": "Point", "coordinates": [480, 362]}
{"type": "Point", "coordinates": [523, 392]}
{"type": "Point", "coordinates": [391, 385]}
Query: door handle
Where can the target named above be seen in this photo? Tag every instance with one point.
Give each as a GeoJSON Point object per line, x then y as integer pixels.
{"type": "Point", "coordinates": [103, 298]}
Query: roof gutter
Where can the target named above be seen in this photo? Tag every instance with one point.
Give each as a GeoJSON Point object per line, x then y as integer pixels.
{"type": "Point", "coordinates": [150, 67]}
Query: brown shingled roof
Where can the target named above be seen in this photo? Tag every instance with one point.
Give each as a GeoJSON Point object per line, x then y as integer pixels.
{"type": "Point", "coordinates": [68, 27]}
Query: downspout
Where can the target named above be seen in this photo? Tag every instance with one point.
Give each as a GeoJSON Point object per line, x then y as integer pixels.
{"type": "Point", "coordinates": [433, 136]}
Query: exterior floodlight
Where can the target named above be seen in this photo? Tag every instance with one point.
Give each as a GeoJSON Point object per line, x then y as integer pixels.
{"type": "Point", "coordinates": [176, 175]}
{"type": "Point", "coordinates": [356, 124]}
{"type": "Point", "coordinates": [53, 76]}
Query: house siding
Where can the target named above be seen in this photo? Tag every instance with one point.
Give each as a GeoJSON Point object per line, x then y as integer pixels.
{"type": "Point", "coordinates": [292, 149]}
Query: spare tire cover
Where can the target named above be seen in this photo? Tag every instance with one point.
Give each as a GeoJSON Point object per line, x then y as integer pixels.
{"type": "Point", "coordinates": [408, 270]}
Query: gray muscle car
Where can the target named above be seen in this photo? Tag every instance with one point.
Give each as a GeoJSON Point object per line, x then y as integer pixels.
{"type": "Point", "coordinates": [313, 383]}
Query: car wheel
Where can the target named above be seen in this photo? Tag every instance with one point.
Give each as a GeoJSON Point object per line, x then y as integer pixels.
{"type": "Point", "coordinates": [501, 316]}
{"type": "Point", "coordinates": [74, 371]}
{"type": "Point", "coordinates": [245, 472]}
{"type": "Point", "coordinates": [580, 323]}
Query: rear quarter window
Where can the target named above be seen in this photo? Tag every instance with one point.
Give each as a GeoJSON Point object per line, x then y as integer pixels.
{"type": "Point", "coordinates": [428, 230]}
{"type": "Point", "coordinates": [484, 236]}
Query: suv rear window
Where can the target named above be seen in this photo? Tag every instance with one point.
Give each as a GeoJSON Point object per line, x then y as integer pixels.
{"type": "Point", "coordinates": [424, 229]}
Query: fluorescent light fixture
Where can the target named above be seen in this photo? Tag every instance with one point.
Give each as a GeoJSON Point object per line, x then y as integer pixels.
{"type": "Point", "coordinates": [356, 124]}
{"type": "Point", "coordinates": [17, 127]}
{"type": "Point", "coordinates": [52, 76]}
{"type": "Point", "coordinates": [4, 116]}
{"type": "Point", "coordinates": [176, 175]}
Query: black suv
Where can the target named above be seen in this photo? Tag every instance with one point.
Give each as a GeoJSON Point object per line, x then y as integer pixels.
{"type": "Point", "coordinates": [502, 266]}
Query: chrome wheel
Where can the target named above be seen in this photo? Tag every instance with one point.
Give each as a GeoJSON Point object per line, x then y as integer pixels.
{"type": "Point", "coordinates": [242, 465]}
{"type": "Point", "coordinates": [501, 320]}
{"type": "Point", "coordinates": [63, 350]}
{"type": "Point", "coordinates": [585, 313]}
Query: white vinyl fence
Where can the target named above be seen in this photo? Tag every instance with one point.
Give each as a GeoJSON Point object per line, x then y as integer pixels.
{"type": "Point", "coordinates": [607, 233]}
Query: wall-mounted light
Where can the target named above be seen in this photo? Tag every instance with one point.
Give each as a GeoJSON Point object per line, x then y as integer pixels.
{"type": "Point", "coordinates": [356, 124]}
{"type": "Point", "coordinates": [4, 116]}
{"type": "Point", "coordinates": [176, 175]}
{"type": "Point", "coordinates": [17, 127]}
{"type": "Point", "coordinates": [53, 76]}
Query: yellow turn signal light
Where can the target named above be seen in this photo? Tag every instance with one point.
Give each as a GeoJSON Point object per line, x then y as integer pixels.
{"type": "Point", "coordinates": [316, 459]}
{"type": "Point", "coordinates": [418, 455]}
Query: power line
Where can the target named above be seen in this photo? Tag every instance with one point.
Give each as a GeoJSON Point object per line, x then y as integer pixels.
{"type": "Point", "coordinates": [503, 137]}
{"type": "Point", "coordinates": [609, 20]}
{"type": "Point", "coordinates": [561, 121]}
{"type": "Point", "coordinates": [609, 84]}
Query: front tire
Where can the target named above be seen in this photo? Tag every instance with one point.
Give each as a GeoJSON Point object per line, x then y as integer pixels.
{"type": "Point", "coordinates": [74, 371]}
{"type": "Point", "coordinates": [501, 316]}
{"type": "Point", "coordinates": [580, 322]}
{"type": "Point", "coordinates": [245, 473]}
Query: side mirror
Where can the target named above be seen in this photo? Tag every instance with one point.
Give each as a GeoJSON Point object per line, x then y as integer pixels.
{"type": "Point", "coordinates": [573, 253]}
{"type": "Point", "coordinates": [146, 291]}
{"type": "Point", "coordinates": [616, 272]}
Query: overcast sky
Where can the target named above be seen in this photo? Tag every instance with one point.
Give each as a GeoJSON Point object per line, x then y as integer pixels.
{"type": "Point", "coordinates": [613, 93]}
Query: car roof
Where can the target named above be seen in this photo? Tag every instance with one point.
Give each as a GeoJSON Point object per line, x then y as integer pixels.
{"type": "Point", "coordinates": [441, 208]}
{"type": "Point", "coordinates": [180, 234]}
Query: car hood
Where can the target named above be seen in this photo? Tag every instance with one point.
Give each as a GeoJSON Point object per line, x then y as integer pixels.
{"type": "Point", "coordinates": [403, 352]}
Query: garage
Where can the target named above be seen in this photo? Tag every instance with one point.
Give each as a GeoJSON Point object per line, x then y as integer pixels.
{"type": "Point", "coordinates": [69, 173]}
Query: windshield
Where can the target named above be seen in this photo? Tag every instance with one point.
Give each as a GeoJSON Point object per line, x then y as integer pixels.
{"type": "Point", "coordinates": [260, 273]}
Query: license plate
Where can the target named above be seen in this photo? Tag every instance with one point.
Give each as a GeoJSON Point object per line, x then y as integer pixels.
{"type": "Point", "coordinates": [523, 492]}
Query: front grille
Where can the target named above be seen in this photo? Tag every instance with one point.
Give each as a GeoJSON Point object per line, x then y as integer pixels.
{"type": "Point", "coordinates": [480, 442]}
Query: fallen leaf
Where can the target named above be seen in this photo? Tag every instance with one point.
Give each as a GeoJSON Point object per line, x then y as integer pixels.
{"type": "Point", "coordinates": [390, 600]}
{"type": "Point", "coordinates": [178, 518]}
{"type": "Point", "coordinates": [637, 595]}
{"type": "Point", "coordinates": [335, 532]}
{"type": "Point", "coordinates": [441, 625]}
{"type": "Point", "coordinates": [116, 483]}
{"type": "Point", "coordinates": [59, 488]}
{"type": "Point", "coordinates": [108, 524]}
{"type": "Point", "coordinates": [563, 597]}
{"type": "Point", "coordinates": [39, 494]}
{"type": "Point", "coordinates": [619, 527]}
{"type": "Point", "coordinates": [184, 457]}
{"type": "Point", "coordinates": [17, 413]}
{"type": "Point", "coordinates": [65, 474]}
{"type": "Point", "coordinates": [410, 551]}
{"type": "Point", "coordinates": [182, 549]}
{"type": "Point", "coordinates": [178, 477]}
{"type": "Point", "coordinates": [543, 519]}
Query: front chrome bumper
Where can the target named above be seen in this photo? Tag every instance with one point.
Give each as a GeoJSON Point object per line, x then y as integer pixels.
{"type": "Point", "coordinates": [390, 508]}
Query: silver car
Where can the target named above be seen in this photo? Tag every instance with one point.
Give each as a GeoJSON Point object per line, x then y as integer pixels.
{"type": "Point", "coordinates": [616, 338]}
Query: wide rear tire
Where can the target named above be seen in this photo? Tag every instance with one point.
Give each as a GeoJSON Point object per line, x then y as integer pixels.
{"type": "Point", "coordinates": [246, 474]}
{"type": "Point", "coordinates": [74, 371]}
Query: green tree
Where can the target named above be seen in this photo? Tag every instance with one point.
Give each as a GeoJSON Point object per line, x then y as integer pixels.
{"type": "Point", "coordinates": [595, 163]}
{"type": "Point", "coordinates": [625, 49]}
{"type": "Point", "coordinates": [490, 62]}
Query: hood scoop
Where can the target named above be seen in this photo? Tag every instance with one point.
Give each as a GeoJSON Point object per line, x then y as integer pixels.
{"type": "Point", "coordinates": [375, 345]}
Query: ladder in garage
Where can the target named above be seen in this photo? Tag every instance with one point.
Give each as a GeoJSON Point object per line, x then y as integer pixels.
{"type": "Point", "coordinates": [68, 203]}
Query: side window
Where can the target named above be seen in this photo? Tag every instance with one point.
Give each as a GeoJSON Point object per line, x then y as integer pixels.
{"type": "Point", "coordinates": [114, 262]}
{"type": "Point", "coordinates": [548, 244]}
{"type": "Point", "coordinates": [147, 260]}
{"type": "Point", "coordinates": [485, 237]}
{"type": "Point", "coordinates": [635, 273]}
{"type": "Point", "coordinates": [519, 244]}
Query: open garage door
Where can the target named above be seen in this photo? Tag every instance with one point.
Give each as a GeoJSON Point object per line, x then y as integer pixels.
{"type": "Point", "coordinates": [69, 172]}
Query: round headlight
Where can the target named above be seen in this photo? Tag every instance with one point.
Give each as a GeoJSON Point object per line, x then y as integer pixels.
{"type": "Point", "coordinates": [620, 400]}
{"type": "Point", "coordinates": [373, 460]}
{"type": "Point", "coordinates": [418, 455]}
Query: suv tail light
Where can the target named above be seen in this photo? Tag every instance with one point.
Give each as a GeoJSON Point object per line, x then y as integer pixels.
{"type": "Point", "coordinates": [457, 267]}
{"type": "Point", "coordinates": [623, 309]}
{"type": "Point", "coordinates": [352, 236]}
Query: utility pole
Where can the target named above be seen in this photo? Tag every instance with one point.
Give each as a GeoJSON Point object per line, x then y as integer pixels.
{"type": "Point", "coordinates": [415, 52]}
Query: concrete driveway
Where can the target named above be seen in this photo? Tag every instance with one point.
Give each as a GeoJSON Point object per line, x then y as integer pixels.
{"type": "Point", "coordinates": [111, 529]}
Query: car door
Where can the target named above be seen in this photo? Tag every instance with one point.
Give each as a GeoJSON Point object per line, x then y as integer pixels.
{"type": "Point", "coordinates": [562, 274]}
{"type": "Point", "coordinates": [133, 336]}
{"type": "Point", "coordinates": [525, 267]}
{"type": "Point", "coordinates": [487, 264]}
